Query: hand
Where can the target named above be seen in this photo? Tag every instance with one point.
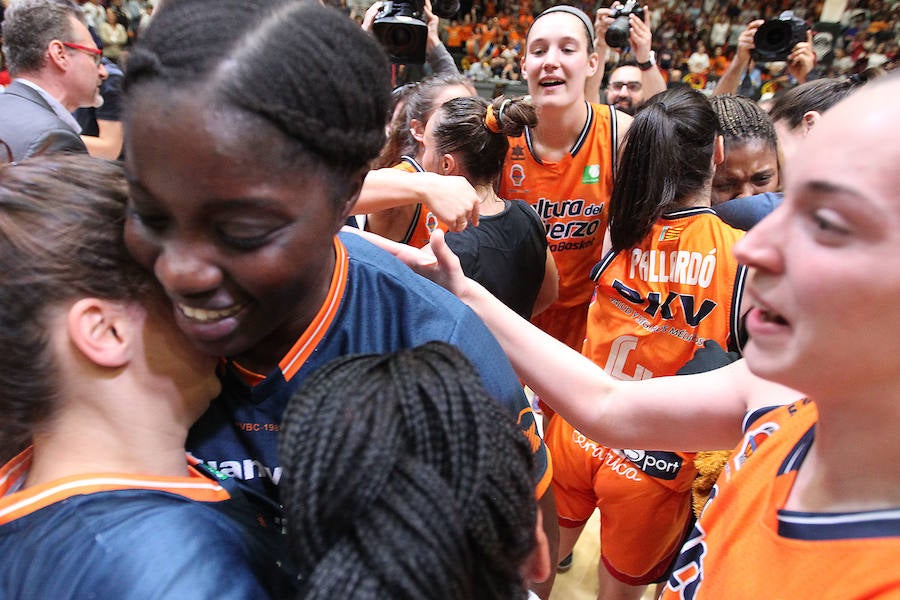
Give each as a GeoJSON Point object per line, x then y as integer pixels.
{"type": "Point", "coordinates": [639, 36]}
{"type": "Point", "coordinates": [369, 17]}
{"type": "Point", "coordinates": [451, 198]}
{"type": "Point", "coordinates": [435, 261]}
{"type": "Point", "coordinates": [801, 60]}
{"type": "Point", "coordinates": [433, 39]}
{"type": "Point", "coordinates": [602, 21]}
{"type": "Point", "coordinates": [745, 41]}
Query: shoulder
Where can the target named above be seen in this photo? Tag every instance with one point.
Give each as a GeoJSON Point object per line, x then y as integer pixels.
{"type": "Point", "coordinates": [133, 544]}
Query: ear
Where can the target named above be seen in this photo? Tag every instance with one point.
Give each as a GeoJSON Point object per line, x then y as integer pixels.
{"type": "Point", "coordinates": [58, 56]}
{"type": "Point", "coordinates": [593, 64]}
{"type": "Point", "coordinates": [102, 331]}
{"type": "Point", "coordinates": [536, 567]}
{"type": "Point", "coordinates": [449, 165]}
{"type": "Point", "coordinates": [810, 119]}
{"type": "Point", "coordinates": [719, 150]}
{"type": "Point", "coordinates": [417, 130]}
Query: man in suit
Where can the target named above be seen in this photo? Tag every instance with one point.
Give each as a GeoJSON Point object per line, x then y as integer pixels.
{"type": "Point", "coordinates": [56, 68]}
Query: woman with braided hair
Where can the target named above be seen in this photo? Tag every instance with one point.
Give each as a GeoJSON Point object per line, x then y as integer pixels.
{"type": "Point", "coordinates": [415, 486]}
{"type": "Point", "coordinates": [507, 251]}
{"type": "Point", "coordinates": [751, 163]}
{"type": "Point", "coordinates": [248, 135]}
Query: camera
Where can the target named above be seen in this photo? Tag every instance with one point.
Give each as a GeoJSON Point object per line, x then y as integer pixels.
{"type": "Point", "coordinates": [401, 29]}
{"type": "Point", "coordinates": [617, 34]}
{"type": "Point", "coordinates": [775, 39]}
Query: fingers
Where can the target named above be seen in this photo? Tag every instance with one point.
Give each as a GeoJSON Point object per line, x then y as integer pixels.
{"type": "Point", "coordinates": [413, 257]}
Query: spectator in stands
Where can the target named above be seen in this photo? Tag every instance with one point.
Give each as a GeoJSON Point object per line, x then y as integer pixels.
{"type": "Point", "coordinates": [101, 127]}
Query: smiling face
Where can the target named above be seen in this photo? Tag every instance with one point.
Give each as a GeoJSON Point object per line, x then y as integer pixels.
{"type": "Point", "coordinates": [826, 272]}
{"type": "Point", "coordinates": [556, 62]}
{"type": "Point", "coordinates": [624, 89]}
{"type": "Point", "coordinates": [750, 168]}
{"type": "Point", "coordinates": [241, 243]}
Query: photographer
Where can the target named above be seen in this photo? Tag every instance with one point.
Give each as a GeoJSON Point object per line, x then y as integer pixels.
{"type": "Point", "coordinates": [640, 38]}
{"type": "Point", "coordinates": [436, 54]}
{"type": "Point", "coordinates": [800, 61]}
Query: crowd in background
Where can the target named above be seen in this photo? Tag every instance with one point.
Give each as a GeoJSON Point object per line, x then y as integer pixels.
{"type": "Point", "coordinates": [692, 39]}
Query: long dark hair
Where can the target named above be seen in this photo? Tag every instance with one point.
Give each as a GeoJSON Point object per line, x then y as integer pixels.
{"type": "Point", "coordinates": [667, 156]}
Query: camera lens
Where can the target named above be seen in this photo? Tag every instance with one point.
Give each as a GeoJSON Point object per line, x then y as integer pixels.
{"type": "Point", "coordinates": [774, 36]}
{"type": "Point", "coordinates": [617, 34]}
{"type": "Point", "coordinates": [399, 37]}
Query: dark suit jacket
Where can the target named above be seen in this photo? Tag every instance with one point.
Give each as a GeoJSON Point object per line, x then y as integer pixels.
{"type": "Point", "coordinates": [28, 124]}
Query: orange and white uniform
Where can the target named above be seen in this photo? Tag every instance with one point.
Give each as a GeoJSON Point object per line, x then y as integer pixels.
{"type": "Point", "coordinates": [746, 545]}
{"type": "Point", "coordinates": [422, 221]}
{"type": "Point", "coordinates": [571, 197]}
{"type": "Point", "coordinates": [654, 305]}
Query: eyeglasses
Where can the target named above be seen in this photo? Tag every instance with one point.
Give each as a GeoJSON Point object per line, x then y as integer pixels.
{"type": "Point", "coordinates": [633, 86]}
{"type": "Point", "coordinates": [96, 53]}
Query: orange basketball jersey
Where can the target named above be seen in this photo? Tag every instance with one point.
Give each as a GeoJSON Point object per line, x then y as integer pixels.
{"type": "Point", "coordinates": [423, 221]}
{"type": "Point", "coordinates": [570, 196]}
{"type": "Point", "coordinates": [657, 302]}
{"type": "Point", "coordinates": [746, 545]}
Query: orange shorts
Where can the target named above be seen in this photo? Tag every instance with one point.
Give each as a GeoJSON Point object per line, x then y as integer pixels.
{"type": "Point", "coordinates": [645, 506]}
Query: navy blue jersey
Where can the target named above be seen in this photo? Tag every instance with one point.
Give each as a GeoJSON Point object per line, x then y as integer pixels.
{"type": "Point", "coordinates": [375, 304]}
{"type": "Point", "coordinates": [109, 535]}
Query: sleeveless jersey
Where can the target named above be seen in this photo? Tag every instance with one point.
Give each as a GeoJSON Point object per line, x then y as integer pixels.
{"type": "Point", "coordinates": [745, 545]}
{"type": "Point", "coordinates": [423, 221]}
{"type": "Point", "coordinates": [570, 196]}
{"type": "Point", "coordinates": [656, 303]}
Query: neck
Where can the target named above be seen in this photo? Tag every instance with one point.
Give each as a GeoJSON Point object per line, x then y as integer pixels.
{"type": "Point", "coordinates": [852, 465]}
{"type": "Point", "coordinates": [140, 438]}
{"type": "Point", "coordinates": [558, 128]}
{"type": "Point", "coordinates": [488, 201]}
{"type": "Point", "coordinates": [51, 86]}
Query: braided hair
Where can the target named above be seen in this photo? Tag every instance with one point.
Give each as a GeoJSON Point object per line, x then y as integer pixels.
{"type": "Point", "coordinates": [462, 129]}
{"type": "Point", "coordinates": [304, 68]}
{"type": "Point", "coordinates": [742, 119]}
{"type": "Point", "coordinates": [404, 479]}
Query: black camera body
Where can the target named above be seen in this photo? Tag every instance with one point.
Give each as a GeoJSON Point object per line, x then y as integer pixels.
{"type": "Point", "coordinates": [775, 39]}
{"type": "Point", "coordinates": [617, 34]}
{"type": "Point", "coordinates": [401, 29]}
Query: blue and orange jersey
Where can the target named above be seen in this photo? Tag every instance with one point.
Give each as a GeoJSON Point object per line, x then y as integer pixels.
{"type": "Point", "coordinates": [139, 536]}
{"type": "Point", "coordinates": [374, 304]}
{"type": "Point", "coordinates": [746, 544]}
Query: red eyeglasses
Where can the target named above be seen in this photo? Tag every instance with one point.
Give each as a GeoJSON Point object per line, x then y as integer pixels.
{"type": "Point", "coordinates": [96, 53]}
